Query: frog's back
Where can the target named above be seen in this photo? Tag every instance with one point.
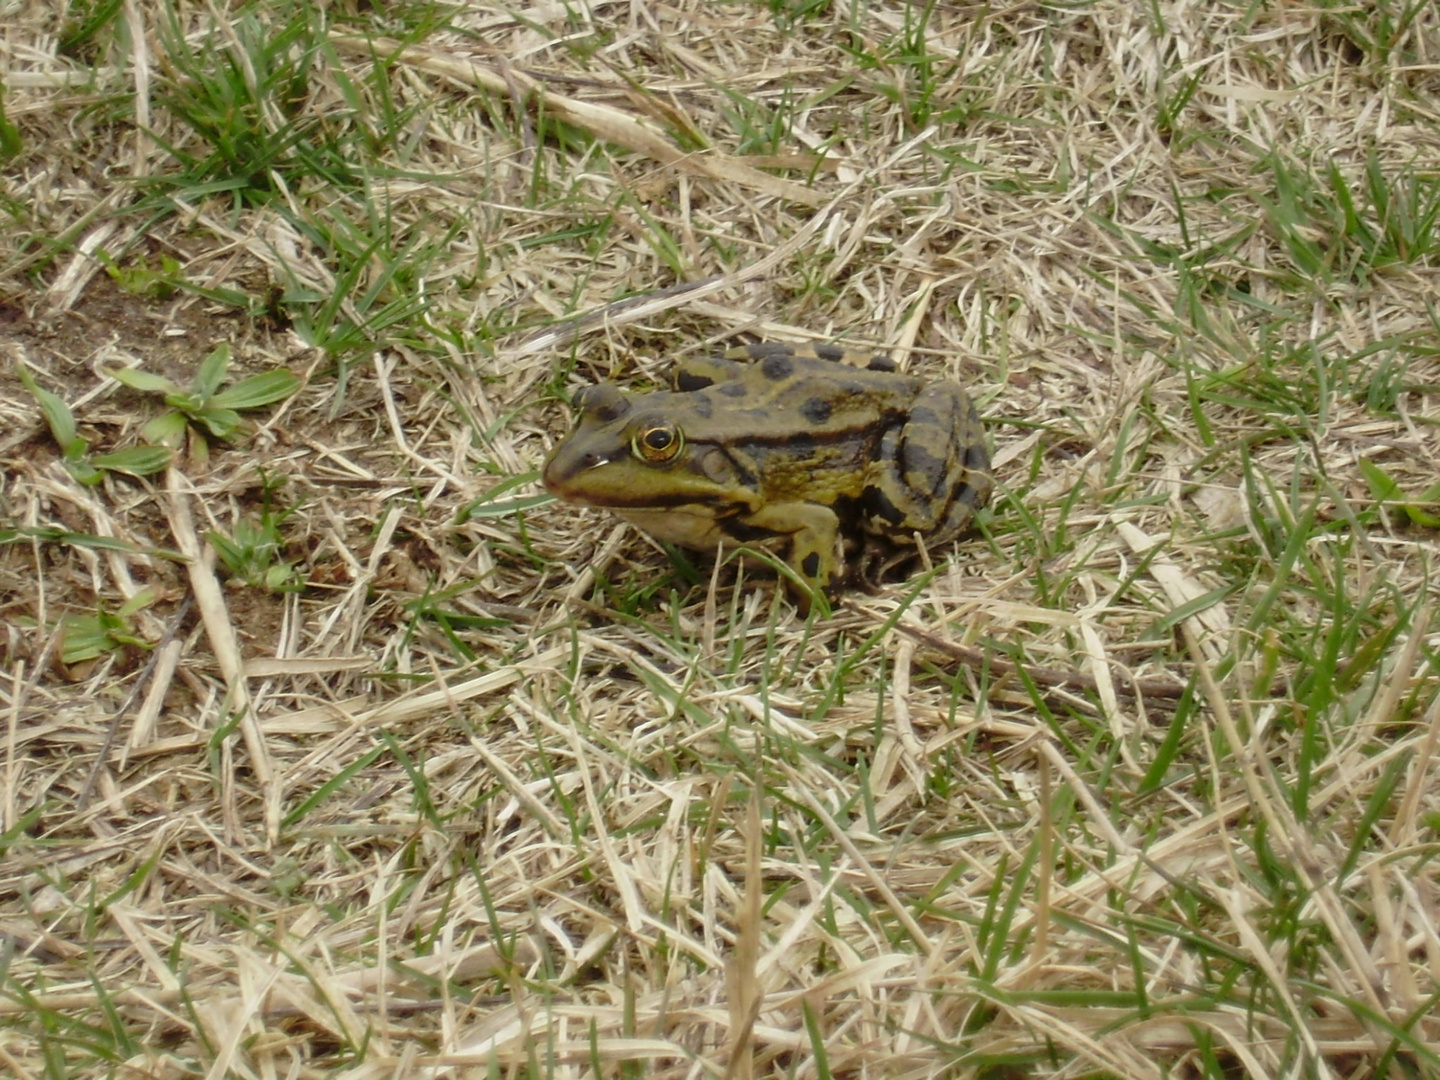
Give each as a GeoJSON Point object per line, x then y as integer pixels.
{"type": "Point", "coordinates": [786, 395]}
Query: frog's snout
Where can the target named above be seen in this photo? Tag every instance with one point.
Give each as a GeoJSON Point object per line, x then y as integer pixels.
{"type": "Point", "coordinates": [566, 464]}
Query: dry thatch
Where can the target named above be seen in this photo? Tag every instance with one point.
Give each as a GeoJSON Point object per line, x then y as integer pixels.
{"type": "Point", "coordinates": [450, 780]}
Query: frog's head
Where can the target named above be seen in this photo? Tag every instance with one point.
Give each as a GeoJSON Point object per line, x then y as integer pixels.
{"type": "Point", "coordinates": [626, 451]}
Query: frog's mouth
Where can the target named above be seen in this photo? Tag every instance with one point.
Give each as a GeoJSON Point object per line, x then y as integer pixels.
{"type": "Point", "coordinates": [604, 480]}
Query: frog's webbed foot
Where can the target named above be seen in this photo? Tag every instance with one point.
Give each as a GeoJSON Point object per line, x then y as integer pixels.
{"type": "Point", "coordinates": [877, 563]}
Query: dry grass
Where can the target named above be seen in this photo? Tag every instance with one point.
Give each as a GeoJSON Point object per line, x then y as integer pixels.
{"type": "Point", "coordinates": [450, 780]}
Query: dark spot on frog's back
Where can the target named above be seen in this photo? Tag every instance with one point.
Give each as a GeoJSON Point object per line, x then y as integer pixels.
{"type": "Point", "coordinates": [777, 366]}
{"type": "Point", "coordinates": [733, 389]}
{"type": "Point", "coordinates": [686, 382]}
{"type": "Point", "coordinates": [816, 410]}
{"type": "Point", "coordinates": [833, 353]}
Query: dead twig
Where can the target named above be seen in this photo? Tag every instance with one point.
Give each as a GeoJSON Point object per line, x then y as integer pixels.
{"type": "Point", "coordinates": [103, 755]}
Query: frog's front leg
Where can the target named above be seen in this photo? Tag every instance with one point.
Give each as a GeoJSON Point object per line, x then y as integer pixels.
{"type": "Point", "coordinates": [933, 471]}
{"type": "Point", "coordinates": [811, 530]}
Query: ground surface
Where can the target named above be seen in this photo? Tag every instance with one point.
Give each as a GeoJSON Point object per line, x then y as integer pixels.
{"type": "Point", "coordinates": [335, 748]}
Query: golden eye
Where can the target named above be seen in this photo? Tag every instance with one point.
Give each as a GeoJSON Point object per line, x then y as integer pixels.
{"type": "Point", "coordinates": [658, 440]}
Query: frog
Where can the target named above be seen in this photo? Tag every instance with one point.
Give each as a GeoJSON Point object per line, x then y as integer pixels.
{"type": "Point", "coordinates": [831, 458]}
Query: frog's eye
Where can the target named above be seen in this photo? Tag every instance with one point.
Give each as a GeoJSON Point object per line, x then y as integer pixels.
{"type": "Point", "coordinates": [657, 440]}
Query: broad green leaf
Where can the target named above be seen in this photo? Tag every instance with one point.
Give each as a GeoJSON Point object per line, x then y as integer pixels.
{"type": "Point", "coordinates": [1425, 511]}
{"type": "Point", "coordinates": [212, 371]}
{"type": "Point", "coordinates": [1425, 517]}
{"type": "Point", "coordinates": [9, 133]}
{"type": "Point", "coordinates": [139, 602]}
{"type": "Point", "coordinates": [125, 636]}
{"type": "Point", "coordinates": [84, 472]}
{"type": "Point", "coordinates": [59, 418]}
{"type": "Point", "coordinates": [57, 414]}
{"type": "Point", "coordinates": [1383, 486]}
{"type": "Point", "coordinates": [230, 553]}
{"type": "Point", "coordinates": [136, 461]}
{"type": "Point", "coordinates": [83, 637]}
{"type": "Point", "coordinates": [281, 577]}
{"type": "Point", "coordinates": [147, 382]}
{"type": "Point", "coordinates": [198, 449]}
{"type": "Point", "coordinates": [167, 429]}
{"type": "Point", "coordinates": [222, 423]}
{"type": "Point", "coordinates": [263, 389]}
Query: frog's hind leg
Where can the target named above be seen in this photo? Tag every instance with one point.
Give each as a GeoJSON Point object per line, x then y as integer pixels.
{"type": "Point", "coordinates": [969, 494]}
{"type": "Point", "coordinates": [933, 471]}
